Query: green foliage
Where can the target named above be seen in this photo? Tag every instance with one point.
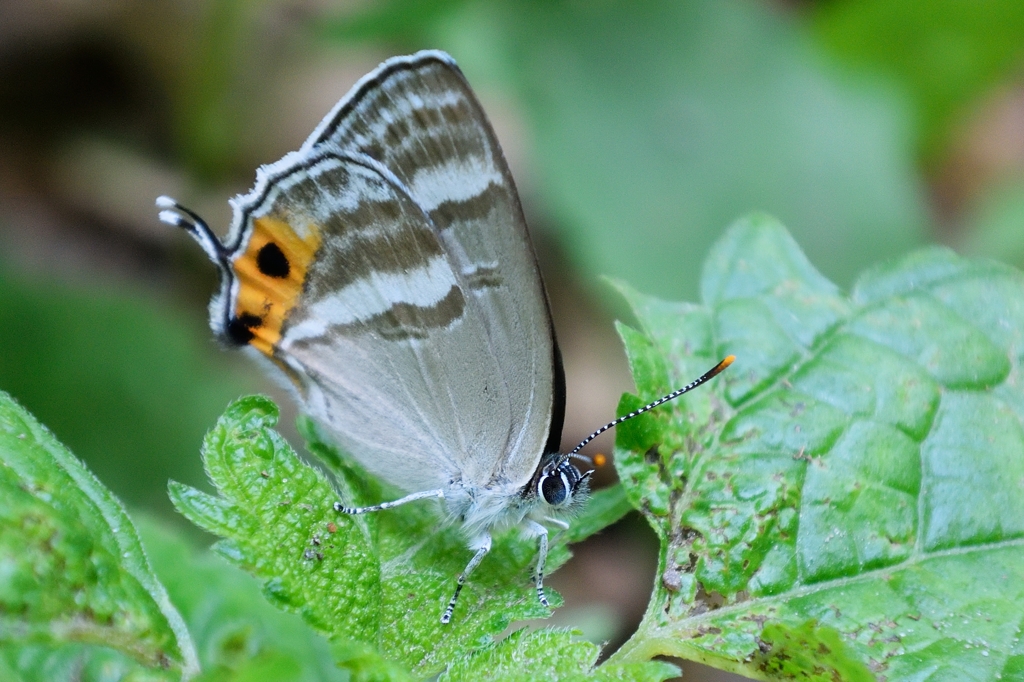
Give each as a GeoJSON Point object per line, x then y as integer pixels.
{"type": "Point", "coordinates": [550, 654]}
{"type": "Point", "coordinates": [72, 663]}
{"type": "Point", "coordinates": [854, 480]}
{"type": "Point", "coordinates": [807, 652]}
{"type": "Point", "coordinates": [391, 20]}
{"type": "Point", "coordinates": [993, 226]}
{"type": "Point", "coordinates": [238, 634]}
{"type": "Point", "coordinates": [376, 585]}
{"type": "Point", "coordinates": [946, 53]}
{"type": "Point", "coordinates": [845, 502]}
{"type": "Point", "coordinates": [72, 569]}
{"type": "Point", "coordinates": [657, 123]}
{"type": "Point", "coordinates": [102, 370]}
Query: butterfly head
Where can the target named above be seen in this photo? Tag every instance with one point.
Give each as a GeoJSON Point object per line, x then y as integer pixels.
{"type": "Point", "coordinates": [560, 484]}
{"type": "Point", "coordinates": [558, 481]}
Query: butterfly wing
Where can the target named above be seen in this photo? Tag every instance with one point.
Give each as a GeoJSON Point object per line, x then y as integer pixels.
{"type": "Point", "coordinates": [418, 116]}
{"type": "Point", "coordinates": [420, 335]}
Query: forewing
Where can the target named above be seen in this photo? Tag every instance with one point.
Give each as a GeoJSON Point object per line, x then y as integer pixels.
{"type": "Point", "coordinates": [418, 118]}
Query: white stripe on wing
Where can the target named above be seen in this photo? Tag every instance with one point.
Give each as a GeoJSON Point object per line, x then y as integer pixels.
{"type": "Point", "coordinates": [366, 298]}
{"type": "Point", "coordinates": [457, 179]}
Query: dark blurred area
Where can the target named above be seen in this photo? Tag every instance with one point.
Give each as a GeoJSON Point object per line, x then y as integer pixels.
{"type": "Point", "coordinates": [636, 131]}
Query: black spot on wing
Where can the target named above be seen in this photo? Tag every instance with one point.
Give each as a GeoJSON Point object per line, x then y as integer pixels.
{"type": "Point", "coordinates": [272, 262]}
{"type": "Point", "coordinates": [239, 329]}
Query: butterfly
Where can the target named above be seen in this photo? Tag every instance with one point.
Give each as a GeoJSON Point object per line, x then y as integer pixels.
{"type": "Point", "coordinates": [385, 270]}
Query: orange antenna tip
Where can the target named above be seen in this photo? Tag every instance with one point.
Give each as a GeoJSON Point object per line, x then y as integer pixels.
{"type": "Point", "coordinates": [600, 460]}
{"type": "Point", "coordinates": [728, 361]}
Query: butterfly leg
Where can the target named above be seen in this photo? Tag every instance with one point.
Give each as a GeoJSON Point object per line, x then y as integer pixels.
{"type": "Point", "coordinates": [482, 546]}
{"type": "Point", "coordinates": [338, 506]}
{"type": "Point", "coordinates": [557, 522]}
{"type": "Point", "coordinates": [534, 529]}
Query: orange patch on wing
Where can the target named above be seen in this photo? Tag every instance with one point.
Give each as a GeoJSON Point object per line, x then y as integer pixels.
{"type": "Point", "coordinates": [268, 297]}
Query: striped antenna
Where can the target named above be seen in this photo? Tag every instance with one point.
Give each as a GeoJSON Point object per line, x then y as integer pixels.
{"type": "Point", "coordinates": [175, 214]}
{"type": "Point", "coordinates": [707, 376]}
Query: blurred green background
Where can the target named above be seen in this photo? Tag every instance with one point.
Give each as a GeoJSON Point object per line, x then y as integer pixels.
{"type": "Point", "coordinates": [637, 132]}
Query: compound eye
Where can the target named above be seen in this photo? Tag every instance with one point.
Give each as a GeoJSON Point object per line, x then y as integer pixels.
{"type": "Point", "coordinates": [554, 489]}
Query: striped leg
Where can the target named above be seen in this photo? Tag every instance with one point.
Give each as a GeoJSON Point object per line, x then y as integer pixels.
{"type": "Point", "coordinates": [535, 529]}
{"type": "Point", "coordinates": [338, 506]}
{"type": "Point", "coordinates": [482, 546]}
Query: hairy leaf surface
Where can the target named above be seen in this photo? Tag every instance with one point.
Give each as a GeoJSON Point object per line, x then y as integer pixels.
{"type": "Point", "coordinates": [376, 585]}
{"type": "Point", "coordinates": [72, 569]}
{"type": "Point", "coordinates": [854, 482]}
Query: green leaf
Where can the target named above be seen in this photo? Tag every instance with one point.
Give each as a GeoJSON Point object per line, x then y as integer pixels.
{"type": "Point", "coordinates": [72, 569]}
{"type": "Point", "coordinates": [375, 585]}
{"type": "Point", "coordinates": [73, 663]}
{"type": "Point", "coordinates": [549, 654]}
{"type": "Point", "coordinates": [604, 507]}
{"type": "Point", "coordinates": [238, 634]}
{"type": "Point", "coordinates": [788, 653]}
{"type": "Point", "coordinates": [853, 483]}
